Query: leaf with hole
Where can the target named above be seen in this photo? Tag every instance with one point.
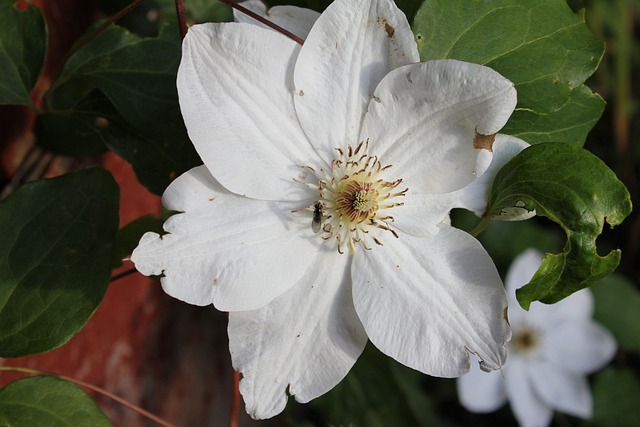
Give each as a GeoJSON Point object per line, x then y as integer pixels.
{"type": "Point", "coordinates": [576, 190]}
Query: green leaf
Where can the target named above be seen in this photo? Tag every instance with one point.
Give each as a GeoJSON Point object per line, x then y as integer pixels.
{"type": "Point", "coordinates": [81, 131]}
{"type": "Point", "coordinates": [23, 44]}
{"type": "Point", "coordinates": [616, 393]}
{"type": "Point", "coordinates": [119, 92]}
{"type": "Point", "coordinates": [129, 236]}
{"type": "Point", "coordinates": [576, 190]}
{"type": "Point", "coordinates": [378, 392]}
{"type": "Point", "coordinates": [541, 46]}
{"type": "Point", "coordinates": [138, 75]}
{"type": "Point", "coordinates": [156, 159]}
{"type": "Point", "coordinates": [48, 401]}
{"type": "Point", "coordinates": [55, 258]}
{"type": "Point", "coordinates": [618, 309]}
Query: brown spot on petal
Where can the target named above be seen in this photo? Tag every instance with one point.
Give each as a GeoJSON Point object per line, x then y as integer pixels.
{"type": "Point", "coordinates": [505, 314]}
{"type": "Point", "coordinates": [484, 142]}
{"type": "Point", "coordinates": [387, 28]}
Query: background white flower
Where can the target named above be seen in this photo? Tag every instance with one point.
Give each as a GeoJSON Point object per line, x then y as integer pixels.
{"type": "Point", "coordinates": [267, 117]}
{"type": "Point", "coordinates": [553, 348]}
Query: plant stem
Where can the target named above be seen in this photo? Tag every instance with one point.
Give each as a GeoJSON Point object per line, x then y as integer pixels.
{"type": "Point", "coordinates": [235, 401]}
{"type": "Point", "coordinates": [182, 22]}
{"type": "Point", "coordinates": [123, 274]}
{"type": "Point", "coordinates": [265, 21]}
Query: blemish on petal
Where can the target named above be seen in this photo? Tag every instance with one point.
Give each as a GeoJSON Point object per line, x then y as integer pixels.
{"type": "Point", "coordinates": [387, 28]}
{"type": "Point", "coordinates": [375, 98]}
{"type": "Point", "coordinates": [301, 93]}
{"type": "Point", "coordinates": [484, 142]}
{"type": "Point", "coordinates": [409, 79]}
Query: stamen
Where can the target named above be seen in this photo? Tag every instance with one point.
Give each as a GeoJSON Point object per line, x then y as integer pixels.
{"type": "Point", "coordinates": [354, 197]}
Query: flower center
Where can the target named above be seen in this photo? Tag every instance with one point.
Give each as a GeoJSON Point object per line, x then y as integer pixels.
{"type": "Point", "coordinates": [354, 199]}
{"type": "Point", "coordinates": [357, 201]}
{"type": "Point", "coordinates": [526, 340]}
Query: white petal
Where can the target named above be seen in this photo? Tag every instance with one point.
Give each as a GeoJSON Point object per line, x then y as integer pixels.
{"type": "Point", "coordinates": [350, 48]}
{"type": "Point", "coordinates": [234, 252]}
{"type": "Point", "coordinates": [429, 302]}
{"type": "Point", "coordinates": [480, 391]}
{"type": "Point", "coordinates": [522, 269]}
{"type": "Point", "coordinates": [577, 306]}
{"type": "Point", "coordinates": [528, 408]}
{"type": "Point", "coordinates": [421, 212]}
{"type": "Point", "coordinates": [562, 390]}
{"type": "Point", "coordinates": [436, 108]}
{"type": "Point", "coordinates": [234, 85]}
{"type": "Point", "coordinates": [303, 343]}
{"type": "Point", "coordinates": [292, 18]}
{"type": "Point", "coordinates": [579, 346]}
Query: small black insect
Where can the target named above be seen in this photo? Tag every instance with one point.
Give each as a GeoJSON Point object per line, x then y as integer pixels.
{"type": "Point", "coordinates": [317, 217]}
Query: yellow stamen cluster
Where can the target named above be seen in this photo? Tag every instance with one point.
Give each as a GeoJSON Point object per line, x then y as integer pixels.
{"type": "Point", "coordinates": [355, 198]}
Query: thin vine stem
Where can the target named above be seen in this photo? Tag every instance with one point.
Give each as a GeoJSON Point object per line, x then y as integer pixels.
{"type": "Point", "coordinates": [235, 401]}
{"type": "Point", "coordinates": [92, 387]}
{"type": "Point", "coordinates": [123, 274]}
{"type": "Point", "coordinates": [182, 21]}
{"type": "Point", "coordinates": [265, 21]}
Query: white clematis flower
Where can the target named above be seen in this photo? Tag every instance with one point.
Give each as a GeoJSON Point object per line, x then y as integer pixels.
{"type": "Point", "coordinates": [319, 217]}
{"type": "Point", "coordinates": [553, 348]}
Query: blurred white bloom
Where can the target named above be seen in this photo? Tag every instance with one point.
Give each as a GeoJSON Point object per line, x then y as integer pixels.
{"type": "Point", "coordinates": [553, 348]}
{"type": "Point", "coordinates": [319, 218]}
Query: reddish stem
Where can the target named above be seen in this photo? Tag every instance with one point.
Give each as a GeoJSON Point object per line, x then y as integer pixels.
{"type": "Point", "coordinates": [182, 21]}
{"type": "Point", "coordinates": [123, 274]}
{"type": "Point", "coordinates": [265, 21]}
{"type": "Point", "coordinates": [235, 402]}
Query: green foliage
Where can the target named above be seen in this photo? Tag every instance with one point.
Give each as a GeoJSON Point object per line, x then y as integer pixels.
{"type": "Point", "coordinates": [616, 393]}
{"type": "Point", "coordinates": [377, 392]}
{"type": "Point", "coordinates": [136, 74]}
{"type": "Point", "coordinates": [23, 44]}
{"type": "Point", "coordinates": [548, 54]}
{"type": "Point", "coordinates": [579, 192]}
{"type": "Point", "coordinates": [48, 401]}
{"type": "Point", "coordinates": [55, 258]}
{"type": "Point", "coordinates": [118, 92]}
{"type": "Point", "coordinates": [618, 309]}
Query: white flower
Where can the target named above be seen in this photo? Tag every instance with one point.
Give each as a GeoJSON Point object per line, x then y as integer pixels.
{"type": "Point", "coordinates": [553, 348]}
{"type": "Point", "coordinates": [317, 218]}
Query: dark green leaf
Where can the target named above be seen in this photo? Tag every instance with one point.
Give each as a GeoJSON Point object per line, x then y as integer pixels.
{"type": "Point", "coordinates": [618, 309]}
{"type": "Point", "coordinates": [542, 46]}
{"type": "Point", "coordinates": [156, 159]}
{"type": "Point", "coordinates": [377, 392]}
{"type": "Point", "coordinates": [138, 75]}
{"type": "Point", "coordinates": [23, 44]}
{"type": "Point", "coordinates": [55, 258]}
{"type": "Point", "coordinates": [48, 401]}
{"type": "Point", "coordinates": [129, 236]}
{"type": "Point", "coordinates": [616, 393]}
{"type": "Point", "coordinates": [579, 192]}
{"type": "Point", "coordinates": [81, 131]}
{"type": "Point", "coordinates": [119, 92]}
